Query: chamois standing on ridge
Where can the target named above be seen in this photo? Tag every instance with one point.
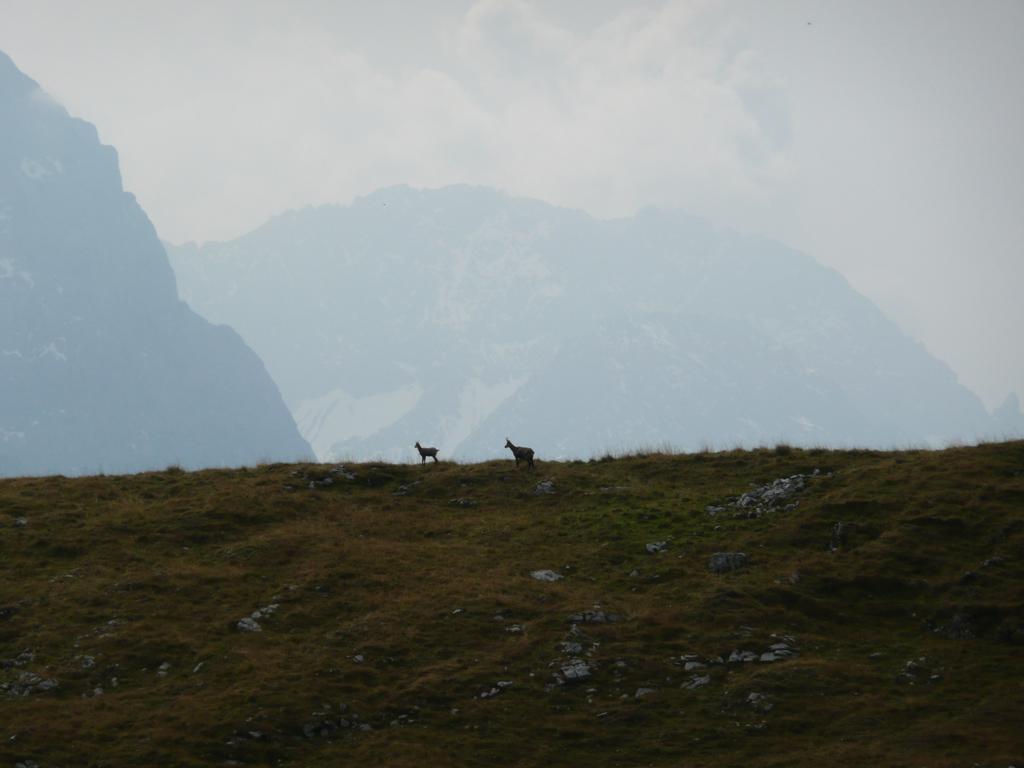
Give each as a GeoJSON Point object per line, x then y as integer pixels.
{"type": "Point", "coordinates": [520, 452]}
{"type": "Point", "coordinates": [425, 452]}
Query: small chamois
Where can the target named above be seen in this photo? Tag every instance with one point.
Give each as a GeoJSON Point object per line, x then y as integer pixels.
{"type": "Point", "coordinates": [520, 452]}
{"type": "Point", "coordinates": [425, 452]}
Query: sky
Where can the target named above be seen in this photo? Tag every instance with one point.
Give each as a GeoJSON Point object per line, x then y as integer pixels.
{"type": "Point", "coordinates": [882, 138]}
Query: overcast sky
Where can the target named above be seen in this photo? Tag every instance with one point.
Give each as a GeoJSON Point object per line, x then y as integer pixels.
{"type": "Point", "coordinates": [883, 138]}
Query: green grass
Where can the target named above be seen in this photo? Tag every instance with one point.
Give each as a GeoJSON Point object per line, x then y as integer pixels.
{"type": "Point", "coordinates": [416, 585]}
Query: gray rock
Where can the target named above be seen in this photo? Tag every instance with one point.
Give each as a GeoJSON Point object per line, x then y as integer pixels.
{"type": "Point", "coordinates": [575, 671]}
{"type": "Point", "coordinates": [742, 657]}
{"type": "Point", "coordinates": [20, 522]}
{"type": "Point", "coordinates": [163, 669]}
{"type": "Point", "coordinates": [264, 612]}
{"type": "Point", "coordinates": [697, 681]}
{"type": "Point", "coordinates": [655, 547]}
{"type": "Point", "coordinates": [692, 665]}
{"type": "Point", "coordinates": [723, 562]}
{"type": "Point", "coordinates": [840, 532]}
{"type": "Point", "coordinates": [594, 617]}
{"type": "Point", "coordinates": [642, 692]}
{"type": "Point", "coordinates": [546, 575]}
{"type": "Point", "coordinates": [544, 486]}
{"type": "Point", "coordinates": [248, 625]}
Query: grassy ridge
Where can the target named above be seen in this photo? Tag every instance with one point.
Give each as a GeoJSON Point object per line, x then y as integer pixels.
{"type": "Point", "coordinates": [405, 593]}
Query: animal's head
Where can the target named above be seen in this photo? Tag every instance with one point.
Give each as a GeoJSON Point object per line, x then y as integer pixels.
{"type": "Point", "coordinates": [417, 443]}
{"type": "Point", "coordinates": [508, 443]}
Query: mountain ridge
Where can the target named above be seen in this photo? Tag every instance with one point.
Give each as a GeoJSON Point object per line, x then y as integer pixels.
{"type": "Point", "coordinates": [103, 367]}
{"type": "Point", "coordinates": [472, 290]}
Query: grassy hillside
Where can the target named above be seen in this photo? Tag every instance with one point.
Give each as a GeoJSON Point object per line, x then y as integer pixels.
{"type": "Point", "coordinates": [408, 629]}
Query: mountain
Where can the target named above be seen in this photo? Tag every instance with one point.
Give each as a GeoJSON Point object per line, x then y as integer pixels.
{"type": "Point", "coordinates": [1008, 417]}
{"type": "Point", "coordinates": [460, 316]}
{"type": "Point", "coordinates": [102, 366]}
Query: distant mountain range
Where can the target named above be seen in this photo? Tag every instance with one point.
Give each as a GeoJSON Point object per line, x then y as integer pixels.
{"type": "Point", "coordinates": [460, 316]}
{"type": "Point", "coordinates": [102, 367]}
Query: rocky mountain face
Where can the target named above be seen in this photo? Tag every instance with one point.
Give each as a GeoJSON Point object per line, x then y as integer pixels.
{"type": "Point", "coordinates": [460, 316]}
{"type": "Point", "coordinates": [102, 367]}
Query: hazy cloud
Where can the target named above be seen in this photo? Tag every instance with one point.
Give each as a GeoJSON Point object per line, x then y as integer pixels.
{"type": "Point", "coordinates": [881, 138]}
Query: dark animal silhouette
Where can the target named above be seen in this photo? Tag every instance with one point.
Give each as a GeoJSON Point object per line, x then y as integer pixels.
{"type": "Point", "coordinates": [521, 453]}
{"type": "Point", "coordinates": [425, 452]}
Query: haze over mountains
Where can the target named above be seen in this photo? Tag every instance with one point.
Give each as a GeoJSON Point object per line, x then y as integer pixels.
{"type": "Point", "coordinates": [102, 367]}
{"type": "Point", "coordinates": [460, 315]}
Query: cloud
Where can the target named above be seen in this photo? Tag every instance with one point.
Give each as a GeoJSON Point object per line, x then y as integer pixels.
{"type": "Point", "coordinates": [241, 115]}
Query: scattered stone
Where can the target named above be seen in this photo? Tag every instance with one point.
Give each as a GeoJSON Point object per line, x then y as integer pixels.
{"type": "Point", "coordinates": [262, 613]}
{"type": "Point", "coordinates": [457, 611]}
{"type": "Point", "coordinates": [27, 683]}
{"type": "Point", "coordinates": [571, 648]}
{"type": "Point", "coordinates": [575, 671]}
{"type": "Point", "coordinates": [993, 561]}
{"type": "Point", "coordinates": [196, 668]}
{"type": "Point", "coordinates": [248, 625]}
{"type": "Point", "coordinates": [916, 671]}
{"type": "Point", "coordinates": [594, 617]}
{"type": "Point", "coordinates": [461, 502]}
{"type": "Point", "coordinates": [723, 562]}
{"type": "Point", "coordinates": [634, 573]}
{"type": "Point", "coordinates": [641, 692]}
{"type": "Point", "coordinates": [764, 498]}
{"type": "Point", "coordinates": [88, 662]}
{"type": "Point", "coordinates": [546, 575]}
{"type": "Point", "coordinates": [697, 681]}
{"type": "Point", "coordinates": [544, 486]}
{"type": "Point", "coordinates": [655, 547]}
{"type": "Point", "coordinates": [692, 665]}
{"type": "Point", "coordinates": [515, 628]}
{"type": "Point", "coordinates": [163, 669]}
{"type": "Point", "coordinates": [358, 658]}
{"type": "Point", "coordinates": [743, 657]}
{"type": "Point", "coordinates": [959, 627]}
{"type": "Point", "coordinates": [759, 702]}
{"type": "Point", "coordinates": [840, 532]}
{"type": "Point", "coordinates": [339, 469]}
{"type": "Point", "coordinates": [20, 522]}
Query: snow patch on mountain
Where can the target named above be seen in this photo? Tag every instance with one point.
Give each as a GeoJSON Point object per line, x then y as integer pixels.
{"type": "Point", "coordinates": [35, 169]}
{"type": "Point", "coordinates": [477, 401]}
{"type": "Point", "coordinates": [338, 416]}
{"type": "Point", "coordinates": [7, 435]}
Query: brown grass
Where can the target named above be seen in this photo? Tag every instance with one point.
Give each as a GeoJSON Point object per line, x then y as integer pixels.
{"type": "Point", "coordinates": [176, 558]}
